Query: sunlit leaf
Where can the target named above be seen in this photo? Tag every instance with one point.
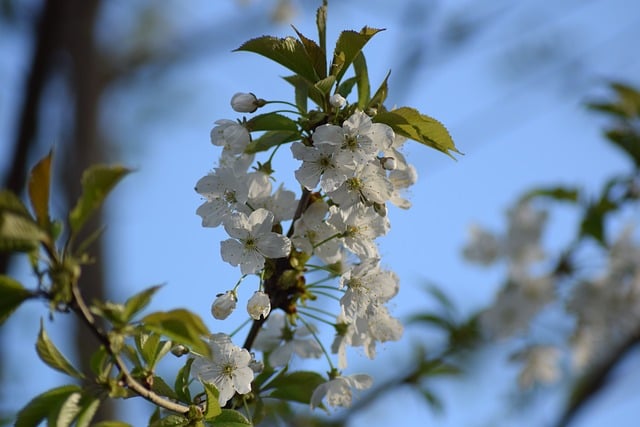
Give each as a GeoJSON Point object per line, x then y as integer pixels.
{"type": "Point", "coordinates": [303, 86]}
{"type": "Point", "coordinates": [171, 421]}
{"type": "Point", "coordinates": [89, 407]}
{"type": "Point", "coordinates": [321, 24]}
{"type": "Point", "coordinates": [138, 302]}
{"type": "Point", "coordinates": [39, 186]}
{"type": "Point", "coordinates": [348, 46]}
{"type": "Point", "coordinates": [97, 182]}
{"type": "Point", "coordinates": [41, 406]}
{"type": "Point", "coordinates": [12, 295]}
{"type": "Point", "coordinates": [67, 412]}
{"type": "Point", "coordinates": [271, 121]}
{"type": "Point", "coordinates": [316, 55]}
{"type": "Point", "coordinates": [412, 124]}
{"type": "Point", "coordinates": [183, 379]}
{"type": "Point", "coordinates": [161, 388]}
{"type": "Point", "coordinates": [213, 406]}
{"type": "Point", "coordinates": [287, 52]}
{"type": "Point", "coordinates": [181, 326]}
{"type": "Point", "coordinates": [381, 94]}
{"type": "Point", "coordinates": [230, 418]}
{"type": "Point", "coordinates": [362, 78]}
{"type": "Point", "coordinates": [18, 231]}
{"type": "Point", "coordinates": [52, 356]}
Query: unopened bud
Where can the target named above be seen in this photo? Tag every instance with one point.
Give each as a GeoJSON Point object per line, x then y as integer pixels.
{"type": "Point", "coordinates": [337, 100]}
{"type": "Point", "coordinates": [388, 163]}
{"type": "Point", "coordinates": [223, 305]}
{"type": "Point", "coordinates": [380, 208]}
{"type": "Point", "coordinates": [259, 305]}
{"type": "Point", "coordinates": [179, 350]}
{"type": "Point", "coordinates": [246, 102]}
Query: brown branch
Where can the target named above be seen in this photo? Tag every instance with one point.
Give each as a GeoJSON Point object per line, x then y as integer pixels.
{"type": "Point", "coordinates": [80, 308]}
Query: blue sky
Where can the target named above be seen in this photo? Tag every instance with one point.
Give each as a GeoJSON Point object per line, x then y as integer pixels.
{"type": "Point", "coordinates": [518, 127]}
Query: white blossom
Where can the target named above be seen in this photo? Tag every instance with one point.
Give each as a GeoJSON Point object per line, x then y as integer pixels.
{"type": "Point", "coordinates": [226, 190]}
{"type": "Point", "coordinates": [252, 241]}
{"type": "Point", "coordinates": [368, 185]}
{"type": "Point", "coordinates": [282, 341]}
{"type": "Point", "coordinates": [224, 304]}
{"type": "Point", "coordinates": [321, 164]}
{"type": "Point", "coordinates": [231, 135]}
{"type": "Point", "coordinates": [359, 226]}
{"type": "Point", "coordinates": [314, 236]}
{"type": "Point", "coordinates": [337, 100]}
{"type": "Point", "coordinates": [540, 365]}
{"type": "Point", "coordinates": [338, 391]}
{"type": "Point", "coordinates": [367, 284]}
{"type": "Point", "coordinates": [259, 305]}
{"type": "Point", "coordinates": [228, 368]}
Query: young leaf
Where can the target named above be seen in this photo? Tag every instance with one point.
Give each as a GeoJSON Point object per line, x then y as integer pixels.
{"type": "Point", "coordinates": [230, 418]}
{"type": "Point", "coordinates": [183, 379]}
{"type": "Point", "coordinates": [362, 78]}
{"type": "Point", "coordinates": [111, 424]}
{"type": "Point", "coordinates": [271, 139]}
{"type": "Point", "coordinates": [39, 185]}
{"type": "Point", "coordinates": [271, 121]}
{"type": "Point", "coordinates": [381, 94]}
{"type": "Point", "coordinates": [89, 407]}
{"type": "Point", "coordinates": [346, 86]}
{"type": "Point", "coordinates": [287, 52]}
{"type": "Point", "coordinates": [41, 406]}
{"type": "Point", "coordinates": [97, 182]}
{"type": "Point", "coordinates": [138, 302]}
{"type": "Point", "coordinates": [13, 294]}
{"type": "Point", "coordinates": [316, 54]}
{"type": "Point", "coordinates": [52, 357]}
{"type": "Point", "coordinates": [410, 123]}
{"type": "Point", "coordinates": [349, 44]}
{"type": "Point", "coordinates": [296, 386]}
{"type": "Point", "coordinates": [162, 388]}
{"type": "Point", "coordinates": [18, 231]}
{"type": "Point", "coordinates": [213, 406]}
{"type": "Point", "coordinates": [321, 23]}
{"type": "Point", "coordinates": [172, 421]}
{"type": "Point", "coordinates": [181, 326]}
{"type": "Point", "coordinates": [67, 412]}
{"type": "Point", "coordinates": [304, 86]}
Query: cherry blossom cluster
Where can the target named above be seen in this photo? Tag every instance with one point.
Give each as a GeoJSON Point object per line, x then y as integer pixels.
{"type": "Point", "coordinates": [298, 245]}
{"type": "Point", "coordinates": [602, 306]}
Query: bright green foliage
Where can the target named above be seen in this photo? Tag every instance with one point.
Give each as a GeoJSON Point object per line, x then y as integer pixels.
{"type": "Point", "coordinates": [52, 356]}
{"type": "Point", "coordinates": [271, 139]}
{"type": "Point", "coordinates": [39, 186]}
{"type": "Point", "coordinates": [411, 123]}
{"type": "Point", "coordinates": [271, 121]}
{"type": "Point", "coordinates": [171, 421]}
{"type": "Point", "coordinates": [230, 418]}
{"type": "Point", "coordinates": [138, 302]}
{"type": "Point", "coordinates": [55, 406]}
{"type": "Point", "coordinates": [348, 46]}
{"type": "Point", "coordinates": [97, 182]}
{"type": "Point", "coordinates": [151, 348]}
{"type": "Point", "coordinates": [213, 406]}
{"type": "Point", "coordinates": [181, 326]}
{"type": "Point", "coordinates": [12, 294]}
{"type": "Point", "coordinates": [183, 379]}
{"type": "Point", "coordinates": [18, 230]}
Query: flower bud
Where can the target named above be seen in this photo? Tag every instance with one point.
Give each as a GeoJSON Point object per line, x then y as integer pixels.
{"type": "Point", "coordinates": [223, 305]}
{"type": "Point", "coordinates": [179, 350]}
{"type": "Point", "coordinates": [388, 163]}
{"type": "Point", "coordinates": [259, 305]}
{"type": "Point", "coordinates": [255, 365]}
{"type": "Point", "coordinates": [337, 100]}
{"type": "Point", "coordinates": [246, 102]}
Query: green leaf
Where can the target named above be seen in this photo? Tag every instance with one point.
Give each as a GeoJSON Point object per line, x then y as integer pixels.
{"type": "Point", "coordinates": [287, 52]}
{"type": "Point", "coordinates": [183, 379]}
{"type": "Point", "coordinates": [161, 388]}
{"type": "Point", "coordinates": [97, 182]}
{"type": "Point", "coordinates": [324, 86]}
{"type": "Point", "coordinates": [111, 424]}
{"type": "Point", "coordinates": [346, 86]}
{"type": "Point", "coordinates": [39, 186]}
{"type": "Point", "coordinates": [304, 86]}
{"type": "Point", "coordinates": [362, 78]}
{"type": "Point", "coordinates": [271, 139]}
{"type": "Point", "coordinates": [67, 412]}
{"type": "Point", "coordinates": [152, 348]}
{"type": "Point", "coordinates": [138, 302]}
{"type": "Point", "coordinates": [593, 221]}
{"type": "Point", "coordinates": [41, 406]}
{"type": "Point", "coordinates": [52, 357]}
{"type": "Point", "coordinates": [18, 230]}
{"type": "Point", "coordinates": [412, 124]}
{"type": "Point", "coordinates": [562, 194]}
{"type": "Point", "coordinates": [12, 294]}
{"type": "Point", "coordinates": [321, 24]}
{"type": "Point", "coordinates": [348, 46]}
{"type": "Point", "coordinates": [89, 408]}
{"type": "Point", "coordinates": [213, 406]}
{"type": "Point", "coordinates": [296, 386]}
{"type": "Point", "coordinates": [181, 326]}
{"type": "Point", "coordinates": [271, 121]}
{"type": "Point", "coordinates": [171, 421]}
{"type": "Point", "coordinates": [230, 418]}
{"type": "Point", "coordinates": [381, 94]}
{"type": "Point", "coordinates": [316, 54]}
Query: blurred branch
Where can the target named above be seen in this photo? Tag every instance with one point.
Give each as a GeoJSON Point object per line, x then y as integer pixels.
{"type": "Point", "coordinates": [595, 380]}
